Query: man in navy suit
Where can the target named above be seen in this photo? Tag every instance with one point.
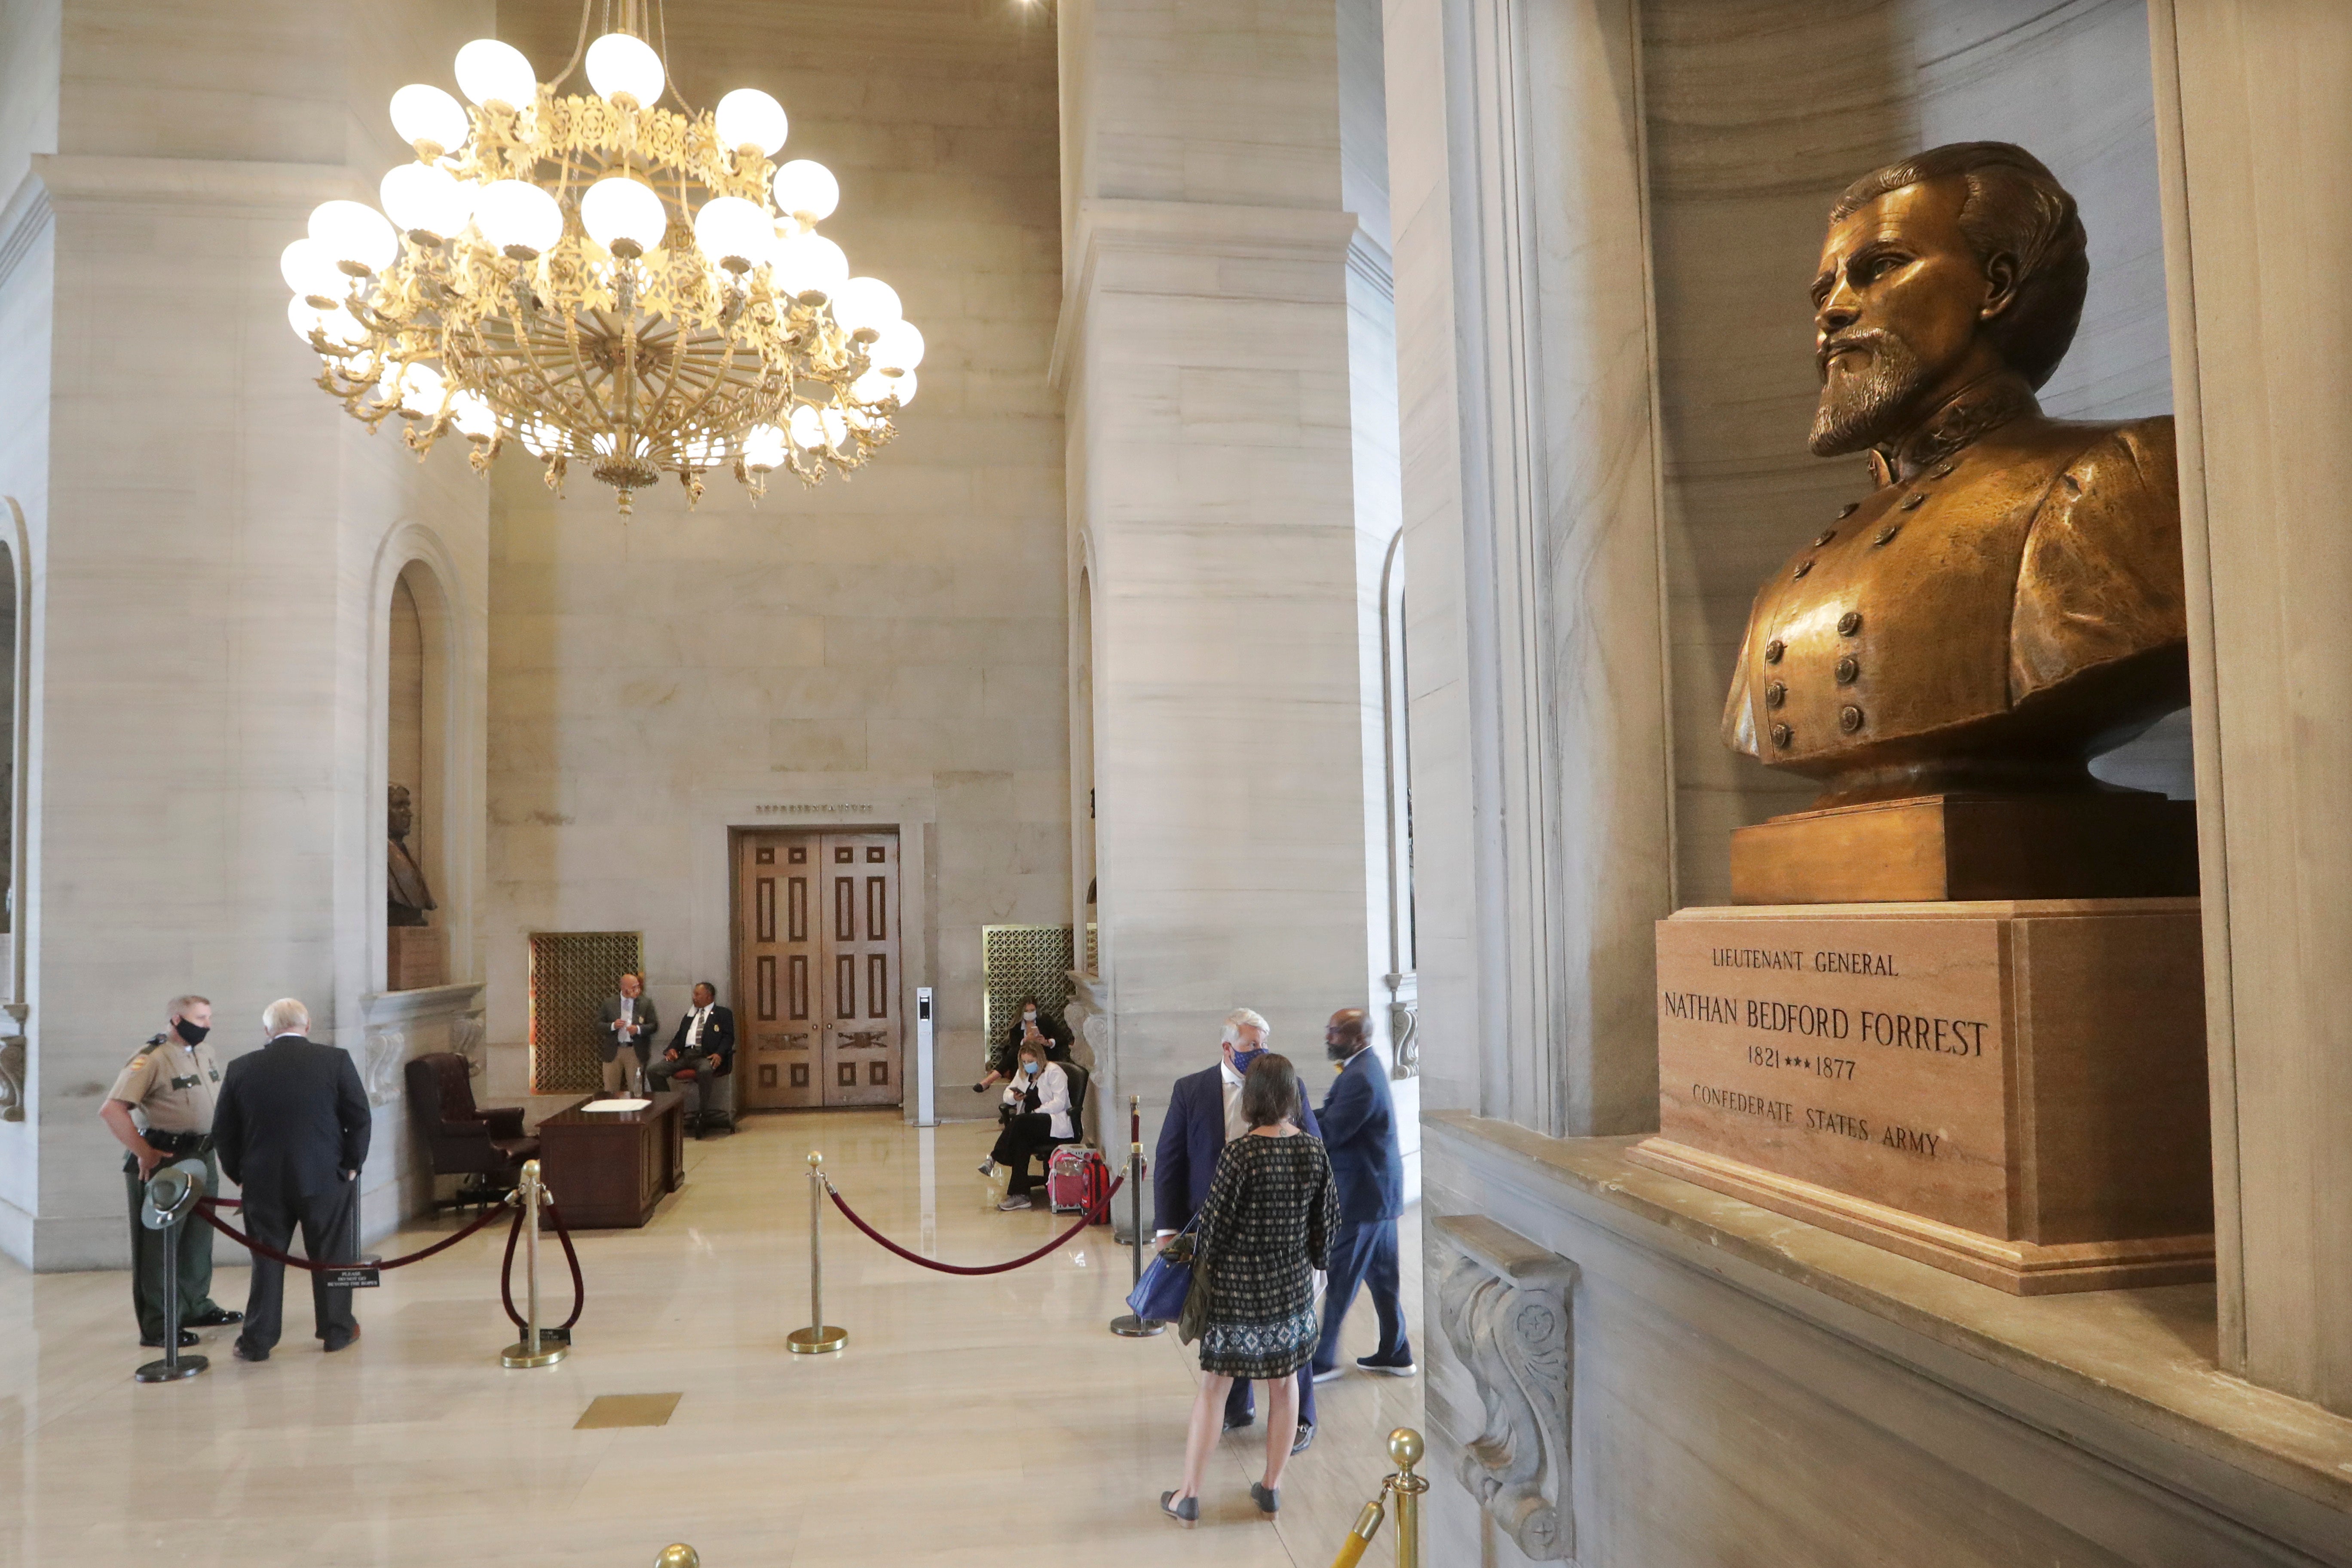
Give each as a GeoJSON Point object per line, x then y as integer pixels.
{"type": "Point", "coordinates": [1359, 1132]}
{"type": "Point", "coordinates": [1203, 1114]}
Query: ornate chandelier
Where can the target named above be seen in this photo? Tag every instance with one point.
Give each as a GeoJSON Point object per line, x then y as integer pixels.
{"type": "Point", "coordinates": [608, 281]}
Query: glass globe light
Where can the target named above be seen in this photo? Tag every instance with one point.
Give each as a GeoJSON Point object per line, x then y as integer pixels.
{"type": "Point", "coordinates": [423, 114]}
{"type": "Point", "coordinates": [426, 198]}
{"type": "Point", "coordinates": [619, 64]}
{"type": "Point", "coordinates": [750, 117]}
{"type": "Point", "coordinates": [764, 447]}
{"type": "Point", "coordinates": [491, 73]}
{"type": "Point", "coordinates": [418, 389]}
{"type": "Point", "coordinates": [517, 214]}
{"type": "Point", "coordinates": [309, 269]}
{"type": "Point", "coordinates": [730, 228]}
{"type": "Point", "coordinates": [808, 429]}
{"type": "Point", "coordinates": [809, 263]}
{"type": "Point", "coordinates": [340, 327]}
{"type": "Point", "coordinates": [865, 305]}
{"type": "Point", "coordinates": [873, 386]}
{"type": "Point", "coordinates": [900, 348]}
{"type": "Point", "coordinates": [903, 388]}
{"type": "Point", "coordinates": [471, 414]}
{"type": "Point", "coordinates": [834, 427]}
{"type": "Point", "coordinates": [354, 232]}
{"type": "Point", "coordinates": [618, 210]}
{"type": "Point", "coordinates": [806, 188]}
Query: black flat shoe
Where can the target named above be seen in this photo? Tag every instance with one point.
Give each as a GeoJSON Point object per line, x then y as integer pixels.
{"type": "Point", "coordinates": [1186, 1514]}
{"type": "Point", "coordinates": [1269, 1502]}
{"type": "Point", "coordinates": [1234, 1425]}
{"type": "Point", "coordinates": [1306, 1437]}
{"type": "Point", "coordinates": [186, 1339]}
{"type": "Point", "coordinates": [219, 1317]}
{"type": "Point", "coordinates": [244, 1354]}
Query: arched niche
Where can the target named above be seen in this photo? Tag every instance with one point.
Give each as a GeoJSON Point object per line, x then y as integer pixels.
{"type": "Point", "coordinates": [15, 633]}
{"type": "Point", "coordinates": [414, 915]}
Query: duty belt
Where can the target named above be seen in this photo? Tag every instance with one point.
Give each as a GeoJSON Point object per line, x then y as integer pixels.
{"type": "Point", "coordinates": [180, 1143]}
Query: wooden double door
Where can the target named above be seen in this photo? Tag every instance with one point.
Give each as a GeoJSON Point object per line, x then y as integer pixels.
{"type": "Point", "coordinates": [816, 920]}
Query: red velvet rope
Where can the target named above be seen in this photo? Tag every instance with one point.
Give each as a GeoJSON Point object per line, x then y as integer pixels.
{"type": "Point", "coordinates": [1093, 1217]}
{"type": "Point", "coordinates": [204, 1208]}
{"type": "Point", "coordinates": [506, 1272]}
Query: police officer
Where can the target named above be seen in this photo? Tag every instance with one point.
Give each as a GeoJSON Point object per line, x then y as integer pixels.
{"type": "Point", "coordinates": [172, 1083]}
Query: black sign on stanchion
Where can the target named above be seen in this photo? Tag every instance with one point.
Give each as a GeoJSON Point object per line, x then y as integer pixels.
{"type": "Point", "coordinates": [360, 1275]}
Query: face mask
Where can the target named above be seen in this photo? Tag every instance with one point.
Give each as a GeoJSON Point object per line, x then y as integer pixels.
{"type": "Point", "coordinates": [1244, 1060]}
{"type": "Point", "coordinates": [1029, 1017]}
{"type": "Point", "coordinates": [1030, 1068]}
{"type": "Point", "coordinates": [193, 1032]}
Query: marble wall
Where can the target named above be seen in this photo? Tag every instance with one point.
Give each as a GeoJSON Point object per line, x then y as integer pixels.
{"type": "Point", "coordinates": [887, 650]}
{"type": "Point", "coordinates": [211, 581]}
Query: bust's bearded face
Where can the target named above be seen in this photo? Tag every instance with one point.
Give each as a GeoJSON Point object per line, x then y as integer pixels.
{"type": "Point", "coordinates": [1896, 310]}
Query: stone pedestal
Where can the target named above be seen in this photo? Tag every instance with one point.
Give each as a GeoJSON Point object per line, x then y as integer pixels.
{"type": "Point", "coordinates": [2013, 1091]}
{"type": "Point", "coordinates": [2088, 845]}
{"type": "Point", "coordinates": [416, 958]}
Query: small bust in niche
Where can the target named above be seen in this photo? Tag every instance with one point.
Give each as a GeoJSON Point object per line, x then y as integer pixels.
{"type": "Point", "coordinates": [2007, 601]}
{"type": "Point", "coordinates": [406, 898]}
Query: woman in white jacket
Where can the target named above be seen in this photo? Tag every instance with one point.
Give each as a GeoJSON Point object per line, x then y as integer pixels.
{"type": "Point", "coordinates": [1037, 1106]}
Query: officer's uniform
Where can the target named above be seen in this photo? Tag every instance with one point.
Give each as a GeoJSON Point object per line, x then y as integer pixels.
{"type": "Point", "coordinates": [172, 1085]}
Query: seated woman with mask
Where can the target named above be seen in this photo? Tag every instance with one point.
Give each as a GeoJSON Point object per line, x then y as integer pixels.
{"type": "Point", "coordinates": [1038, 1104]}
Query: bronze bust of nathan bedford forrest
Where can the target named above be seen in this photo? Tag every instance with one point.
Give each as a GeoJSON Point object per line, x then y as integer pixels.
{"type": "Point", "coordinates": [2009, 601]}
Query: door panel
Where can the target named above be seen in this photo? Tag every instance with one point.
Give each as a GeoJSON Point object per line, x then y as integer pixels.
{"type": "Point", "coordinates": [818, 944]}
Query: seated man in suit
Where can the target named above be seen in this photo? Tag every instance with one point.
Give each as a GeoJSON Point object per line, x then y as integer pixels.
{"type": "Point", "coordinates": [1204, 1112]}
{"type": "Point", "coordinates": [705, 1040]}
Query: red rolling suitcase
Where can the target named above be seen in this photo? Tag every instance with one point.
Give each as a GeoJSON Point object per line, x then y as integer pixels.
{"type": "Point", "coordinates": [1076, 1181]}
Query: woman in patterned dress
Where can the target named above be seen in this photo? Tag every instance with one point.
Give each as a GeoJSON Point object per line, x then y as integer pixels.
{"type": "Point", "coordinates": [1263, 1231]}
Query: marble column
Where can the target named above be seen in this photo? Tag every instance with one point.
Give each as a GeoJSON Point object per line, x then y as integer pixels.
{"type": "Point", "coordinates": [2259, 246]}
{"type": "Point", "coordinates": [1204, 353]}
{"type": "Point", "coordinates": [1540, 779]}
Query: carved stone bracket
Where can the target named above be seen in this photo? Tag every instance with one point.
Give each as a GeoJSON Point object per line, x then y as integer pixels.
{"type": "Point", "coordinates": [1508, 1310]}
{"type": "Point", "coordinates": [12, 1061]}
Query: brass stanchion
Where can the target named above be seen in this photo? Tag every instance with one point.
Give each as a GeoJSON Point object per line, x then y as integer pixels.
{"type": "Point", "coordinates": [1405, 1448]}
{"type": "Point", "coordinates": [1127, 1325]}
{"type": "Point", "coordinates": [678, 1555]}
{"type": "Point", "coordinates": [819, 1336]}
{"type": "Point", "coordinates": [533, 1349]}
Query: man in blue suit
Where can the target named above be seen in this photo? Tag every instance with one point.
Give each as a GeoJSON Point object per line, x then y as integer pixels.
{"type": "Point", "coordinates": [1359, 1132]}
{"type": "Point", "coordinates": [1203, 1113]}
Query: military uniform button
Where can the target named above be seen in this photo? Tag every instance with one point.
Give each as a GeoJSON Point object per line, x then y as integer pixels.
{"type": "Point", "coordinates": [1782, 735]}
{"type": "Point", "coordinates": [1773, 650]}
{"type": "Point", "coordinates": [1849, 720]}
{"type": "Point", "coordinates": [1943, 471]}
{"type": "Point", "coordinates": [1802, 567]}
{"type": "Point", "coordinates": [1913, 501]}
{"type": "Point", "coordinates": [1849, 622]}
{"type": "Point", "coordinates": [1849, 670]}
{"type": "Point", "coordinates": [1850, 509]}
{"type": "Point", "coordinates": [1825, 536]}
{"type": "Point", "coordinates": [1886, 536]}
{"type": "Point", "coordinates": [1775, 695]}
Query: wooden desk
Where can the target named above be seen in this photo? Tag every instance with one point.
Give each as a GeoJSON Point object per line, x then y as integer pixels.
{"type": "Point", "coordinates": [613, 1168]}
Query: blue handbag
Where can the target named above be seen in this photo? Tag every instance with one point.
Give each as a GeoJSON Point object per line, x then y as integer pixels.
{"type": "Point", "coordinates": [1158, 1296]}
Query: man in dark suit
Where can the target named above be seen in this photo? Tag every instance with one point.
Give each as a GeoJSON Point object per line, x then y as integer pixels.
{"type": "Point", "coordinates": [1359, 1132]}
{"type": "Point", "coordinates": [706, 1042]}
{"type": "Point", "coordinates": [1203, 1113]}
{"type": "Point", "coordinates": [292, 1130]}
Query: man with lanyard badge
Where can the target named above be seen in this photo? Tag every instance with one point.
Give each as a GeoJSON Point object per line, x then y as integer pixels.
{"type": "Point", "coordinates": [173, 1084]}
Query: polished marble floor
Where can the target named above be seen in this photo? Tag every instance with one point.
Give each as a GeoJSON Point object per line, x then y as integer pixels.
{"type": "Point", "coordinates": [971, 1421]}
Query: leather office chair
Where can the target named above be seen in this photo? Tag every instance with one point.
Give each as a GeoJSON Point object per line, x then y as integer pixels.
{"type": "Point", "coordinates": [716, 1100]}
{"type": "Point", "coordinates": [489, 1146]}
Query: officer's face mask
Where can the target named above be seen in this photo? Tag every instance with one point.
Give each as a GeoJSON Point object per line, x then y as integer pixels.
{"type": "Point", "coordinates": [193, 1032]}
